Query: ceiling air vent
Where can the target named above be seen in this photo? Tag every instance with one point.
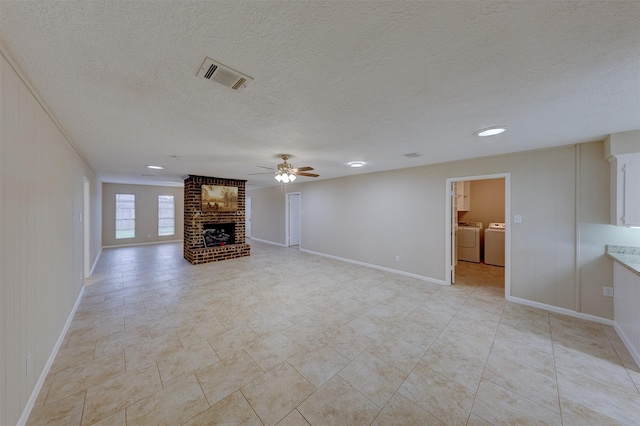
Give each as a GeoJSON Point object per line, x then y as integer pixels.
{"type": "Point", "coordinates": [215, 71]}
{"type": "Point", "coordinates": [413, 155]}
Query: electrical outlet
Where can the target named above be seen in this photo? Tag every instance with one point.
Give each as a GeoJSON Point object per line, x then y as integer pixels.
{"type": "Point", "coordinates": [607, 291]}
{"type": "Point", "coordinates": [397, 258]}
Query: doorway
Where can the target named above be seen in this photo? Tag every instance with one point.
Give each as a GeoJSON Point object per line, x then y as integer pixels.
{"type": "Point", "coordinates": [247, 217]}
{"type": "Point", "coordinates": [87, 226]}
{"type": "Point", "coordinates": [460, 207]}
{"type": "Point", "coordinates": [293, 213]}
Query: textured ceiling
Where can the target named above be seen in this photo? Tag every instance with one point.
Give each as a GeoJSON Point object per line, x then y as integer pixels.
{"type": "Point", "coordinates": [335, 81]}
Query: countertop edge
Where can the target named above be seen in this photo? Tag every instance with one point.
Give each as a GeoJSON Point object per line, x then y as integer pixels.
{"type": "Point", "coordinates": [623, 259]}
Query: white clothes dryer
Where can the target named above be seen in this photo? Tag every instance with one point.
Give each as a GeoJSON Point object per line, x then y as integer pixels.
{"type": "Point", "coordinates": [468, 237]}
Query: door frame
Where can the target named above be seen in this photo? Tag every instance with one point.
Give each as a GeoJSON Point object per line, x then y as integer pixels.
{"type": "Point", "coordinates": [507, 217]}
{"type": "Point", "coordinates": [288, 221]}
{"type": "Point", "coordinates": [86, 227]}
{"type": "Point", "coordinates": [248, 213]}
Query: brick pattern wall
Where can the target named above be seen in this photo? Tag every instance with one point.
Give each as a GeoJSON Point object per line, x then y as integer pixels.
{"type": "Point", "coordinates": [194, 219]}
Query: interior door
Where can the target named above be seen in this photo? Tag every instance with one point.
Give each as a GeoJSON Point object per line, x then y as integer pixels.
{"type": "Point", "coordinates": [247, 217]}
{"type": "Point", "coordinates": [294, 219]}
{"type": "Point", "coordinates": [453, 199]}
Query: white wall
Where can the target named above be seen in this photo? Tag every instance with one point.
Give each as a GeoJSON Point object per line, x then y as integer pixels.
{"type": "Point", "coordinates": [268, 217]}
{"type": "Point", "coordinates": [41, 235]}
{"type": "Point", "coordinates": [557, 252]}
{"type": "Point", "coordinates": [146, 213]}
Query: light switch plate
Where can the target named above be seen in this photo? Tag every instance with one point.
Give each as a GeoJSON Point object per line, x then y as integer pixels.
{"type": "Point", "coordinates": [517, 218]}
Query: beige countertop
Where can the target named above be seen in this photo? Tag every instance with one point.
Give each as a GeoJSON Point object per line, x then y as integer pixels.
{"type": "Point", "coordinates": [629, 257]}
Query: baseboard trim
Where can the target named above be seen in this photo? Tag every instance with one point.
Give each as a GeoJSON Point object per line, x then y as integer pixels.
{"type": "Point", "coordinates": [38, 387]}
{"type": "Point", "coordinates": [95, 263]}
{"type": "Point", "coordinates": [267, 242]}
{"type": "Point", "coordinates": [143, 244]}
{"type": "Point", "coordinates": [373, 266]}
{"type": "Point", "coordinates": [563, 311]}
{"type": "Point", "coordinates": [634, 353]}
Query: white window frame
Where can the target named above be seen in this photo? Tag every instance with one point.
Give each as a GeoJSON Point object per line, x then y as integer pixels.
{"type": "Point", "coordinates": [173, 217]}
{"type": "Point", "coordinates": [130, 232]}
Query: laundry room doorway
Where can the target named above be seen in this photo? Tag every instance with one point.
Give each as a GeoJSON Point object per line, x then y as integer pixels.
{"type": "Point", "coordinates": [478, 231]}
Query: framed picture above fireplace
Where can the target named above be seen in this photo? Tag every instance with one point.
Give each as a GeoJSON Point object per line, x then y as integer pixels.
{"type": "Point", "coordinates": [219, 198]}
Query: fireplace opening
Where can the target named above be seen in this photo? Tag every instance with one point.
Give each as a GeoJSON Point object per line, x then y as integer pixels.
{"type": "Point", "coordinates": [219, 234]}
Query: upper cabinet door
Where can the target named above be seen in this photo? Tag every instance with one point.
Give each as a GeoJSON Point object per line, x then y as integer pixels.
{"type": "Point", "coordinates": [463, 195]}
{"type": "Point", "coordinates": [631, 182]}
{"type": "Point", "coordinates": [625, 190]}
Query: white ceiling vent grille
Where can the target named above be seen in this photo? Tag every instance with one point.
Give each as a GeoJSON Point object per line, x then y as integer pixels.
{"type": "Point", "coordinates": [215, 71]}
{"type": "Point", "coordinates": [413, 155]}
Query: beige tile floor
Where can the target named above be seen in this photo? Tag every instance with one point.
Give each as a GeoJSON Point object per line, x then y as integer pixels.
{"type": "Point", "coordinates": [288, 338]}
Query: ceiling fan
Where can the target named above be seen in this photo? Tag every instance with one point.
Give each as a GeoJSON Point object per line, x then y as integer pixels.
{"type": "Point", "coordinates": [286, 173]}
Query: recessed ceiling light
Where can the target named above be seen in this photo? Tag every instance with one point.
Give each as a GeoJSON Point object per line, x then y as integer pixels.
{"type": "Point", "coordinates": [491, 131]}
{"type": "Point", "coordinates": [356, 164]}
{"type": "Point", "coordinates": [155, 167]}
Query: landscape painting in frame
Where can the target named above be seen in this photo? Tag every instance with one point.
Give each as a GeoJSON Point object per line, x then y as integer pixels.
{"type": "Point", "coordinates": [219, 198]}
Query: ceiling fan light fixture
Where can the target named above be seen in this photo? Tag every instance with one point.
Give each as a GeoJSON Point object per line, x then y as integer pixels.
{"type": "Point", "coordinates": [286, 173]}
{"type": "Point", "coordinates": [491, 131]}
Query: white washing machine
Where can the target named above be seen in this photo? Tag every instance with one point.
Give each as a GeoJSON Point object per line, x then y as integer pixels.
{"type": "Point", "coordinates": [494, 244]}
{"type": "Point", "coordinates": [468, 237]}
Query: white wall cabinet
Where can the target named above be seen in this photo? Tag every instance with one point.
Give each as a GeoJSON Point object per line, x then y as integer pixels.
{"type": "Point", "coordinates": [625, 190]}
{"type": "Point", "coordinates": [463, 195]}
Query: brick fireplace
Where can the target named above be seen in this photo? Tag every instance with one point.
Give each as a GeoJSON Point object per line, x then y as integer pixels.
{"type": "Point", "coordinates": [213, 231]}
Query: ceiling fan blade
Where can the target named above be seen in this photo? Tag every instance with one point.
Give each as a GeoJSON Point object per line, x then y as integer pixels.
{"type": "Point", "coordinates": [302, 169]}
{"type": "Point", "coordinates": [307, 174]}
{"type": "Point", "coordinates": [264, 167]}
{"type": "Point", "coordinates": [266, 173]}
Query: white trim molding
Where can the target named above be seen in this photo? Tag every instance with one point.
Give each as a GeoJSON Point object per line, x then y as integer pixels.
{"type": "Point", "coordinates": [268, 242]}
{"type": "Point", "coordinates": [95, 262]}
{"type": "Point", "coordinates": [627, 342]}
{"type": "Point", "coordinates": [143, 244]}
{"type": "Point", "coordinates": [381, 268]}
{"type": "Point", "coordinates": [38, 387]}
{"type": "Point", "coordinates": [563, 311]}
